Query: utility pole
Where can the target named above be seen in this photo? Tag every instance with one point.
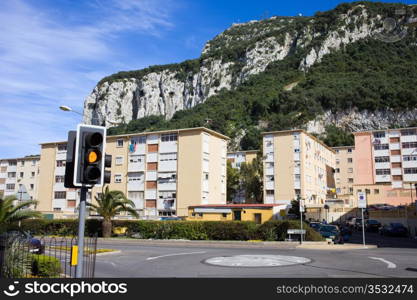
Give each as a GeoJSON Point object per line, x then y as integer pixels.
{"type": "Point", "coordinates": [81, 230]}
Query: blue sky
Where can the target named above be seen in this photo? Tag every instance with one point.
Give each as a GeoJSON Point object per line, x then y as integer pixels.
{"type": "Point", "coordinates": [53, 52]}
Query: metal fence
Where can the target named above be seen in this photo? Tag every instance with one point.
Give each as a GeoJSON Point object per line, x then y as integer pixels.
{"type": "Point", "coordinates": [23, 256]}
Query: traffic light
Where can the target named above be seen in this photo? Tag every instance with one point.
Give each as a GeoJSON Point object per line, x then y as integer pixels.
{"type": "Point", "coordinates": [90, 159]}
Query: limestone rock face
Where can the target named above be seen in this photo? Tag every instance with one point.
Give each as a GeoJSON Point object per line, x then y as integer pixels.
{"type": "Point", "coordinates": [227, 61]}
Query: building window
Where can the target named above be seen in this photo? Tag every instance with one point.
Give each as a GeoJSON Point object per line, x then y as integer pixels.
{"type": "Point", "coordinates": [60, 195]}
{"type": "Point", "coordinates": [337, 150]}
{"type": "Point", "coordinates": [33, 162]}
{"type": "Point", "coordinates": [22, 163]}
{"type": "Point", "coordinates": [138, 140]}
{"type": "Point", "coordinates": [59, 178]}
{"type": "Point", "coordinates": [10, 186]}
{"type": "Point", "coordinates": [117, 178]}
{"type": "Point", "coordinates": [119, 160]}
{"type": "Point", "coordinates": [57, 208]}
{"type": "Point", "coordinates": [380, 134]}
{"type": "Point", "coordinates": [349, 150]}
{"type": "Point", "coordinates": [376, 191]}
{"type": "Point", "coordinates": [381, 147]}
{"type": "Point", "coordinates": [269, 192]}
{"type": "Point", "coordinates": [367, 191]}
{"type": "Point", "coordinates": [71, 203]}
{"type": "Point", "coordinates": [383, 171]}
{"type": "Point", "coordinates": [410, 171]}
{"type": "Point", "coordinates": [31, 186]}
{"type": "Point", "coordinates": [21, 174]}
{"type": "Point", "coordinates": [60, 163]}
{"type": "Point", "coordinates": [297, 177]}
{"type": "Point", "coordinates": [381, 159]}
{"type": "Point", "coordinates": [11, 174]}
{"type": "Point", "coordinates": [409, 145]}
{"type": "Point", "coordinates": [338, 191]}
{"type": "Point", "coordinates": [349, 160]}
{"type": "Point", "coordinates": [408, 132]}
{"type": "Point", "coordinates": [224, 215]}
{"type": "Point", "coordinates": [62, 147]}
{"type": "Point", "coordinates": [410, 158]}
{"type": "Point", "coordinates": [350, 190]}
{"type": "Point", "coordinates": [350, 170]}
{"type": "Point", "coordinates": [350, 180]}
{"type": "Point", "coordinates": [32, 174]}
{"type": "Point", "coordinates": [206, 176]}
{"type": "Point", "coordinates": [12, 163]}
{"type": "Point", "coordinates": [168, 156]}
{"type": "Point", "coordinates": [297, 150]}
{"type": "Point", "coordinates": [337, 170]}
{"type": "Point", "coordinates": [168, 137]}
{"type": "Point", "coordinates": [337, 161]}
{"type": "Point", "coordinates": [119, 143]}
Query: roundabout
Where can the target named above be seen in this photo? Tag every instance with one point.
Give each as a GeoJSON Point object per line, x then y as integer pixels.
{"type": "Point", "coordinates": [256, 261]}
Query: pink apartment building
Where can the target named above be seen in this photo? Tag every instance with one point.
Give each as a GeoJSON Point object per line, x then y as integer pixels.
{"type": "Point", "coordinates": [385, 165]}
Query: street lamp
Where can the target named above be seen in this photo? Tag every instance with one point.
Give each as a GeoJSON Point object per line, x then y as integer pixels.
{"type": "Point", "coordinates": [67, 108]}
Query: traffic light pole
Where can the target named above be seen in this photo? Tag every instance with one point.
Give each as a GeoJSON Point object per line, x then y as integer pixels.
{"type": "Point", "coordinates": [81, 229]}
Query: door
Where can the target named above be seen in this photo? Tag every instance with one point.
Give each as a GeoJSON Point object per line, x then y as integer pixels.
{"type": "Point", "coordinates": [258, 218]}
{"type": "Point", "coordinates": [237, 215]}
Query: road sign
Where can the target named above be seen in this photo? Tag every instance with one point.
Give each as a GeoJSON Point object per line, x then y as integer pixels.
{"type": "Point", "coordinates": [296, 231]}
{"type": "Point", "coordinates": [361, 200]}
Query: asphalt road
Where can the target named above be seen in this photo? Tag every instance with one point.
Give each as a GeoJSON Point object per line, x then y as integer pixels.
{"type": "Point", "coordinates": [184, 260]}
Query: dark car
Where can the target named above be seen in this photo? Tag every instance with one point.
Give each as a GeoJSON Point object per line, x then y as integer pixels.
{"type": "Point", "coordinates": [330, 231]}
{"type": "Point", "coordinates": [346, 233]}
{"type": "Point", "coordinates": [394, 229]}
{"type": "Point", "coordinates": [372, 225]}
{"type": "Point", "coordinates": [315, 225]}
{"type": "Point", "coordinates": [34, 245]}
{"type": "Point", "coordinates": [358, 223]}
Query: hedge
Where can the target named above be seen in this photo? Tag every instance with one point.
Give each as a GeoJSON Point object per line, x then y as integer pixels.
{"type": "Point", "coordinates": [191, 230]}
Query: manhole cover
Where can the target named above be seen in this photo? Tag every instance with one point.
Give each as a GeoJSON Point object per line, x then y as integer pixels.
{"type": "Point", "coordinates": [257, 261]}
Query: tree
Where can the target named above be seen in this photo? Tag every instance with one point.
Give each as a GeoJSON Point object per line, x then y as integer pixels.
{"type": "Point", "coordinates": [109, 204]}
{"type": "Point", "coordinates": [252, 179]}
{"type": "Point", "coordinates": [11, 214]}
{"type": "Point", "coordinates": [233, 182]}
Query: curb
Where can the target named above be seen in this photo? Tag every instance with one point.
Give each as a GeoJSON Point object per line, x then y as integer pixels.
{"type": "Point", "coordinates": [109, 253]}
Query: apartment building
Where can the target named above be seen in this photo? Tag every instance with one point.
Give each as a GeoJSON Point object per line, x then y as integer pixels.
{"type": "Point", "coordinates": [344, 175]}
{"type": "Point", "coordinates": [297, 164]}
{"type": "Point", "coordinates": [237, 158]}
{"type": "Point", "coordinates": [162, 172]}
{"type": "Point", "coordinates": [19, 177]}
{"type": "Point", "coordinates": [385, 165]}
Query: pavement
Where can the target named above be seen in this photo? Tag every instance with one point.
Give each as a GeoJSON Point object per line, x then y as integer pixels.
{"type": "Point", "coordinates": [179, 258]}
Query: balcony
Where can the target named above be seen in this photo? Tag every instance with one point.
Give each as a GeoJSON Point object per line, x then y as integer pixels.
{"type": "Point", "coordinates": [408, 151]}
{"type": "Point", "coordinates": [269, 171]}
{"type": "Point", "coordinates": [408, 138]}
{"type": "Point", "coordinates": [394, 146]}
{"type": "Point", "coordinates": [297, 156]}
{"type": "Point", "coordinates": [269, 199]}
{"type": "Point", "coordinates": [167, 186]}
{"type": "Point", "coordinates": [410, 177]}
{"type": "Point", "coordinates": [168, 147]}
{"type": "Point", "coordinates": [381, 153]}
{"type": "Point", "coordinates": [395, 158]}
{"type": "Point", "coordinates": [61, 155]}
{"type": "Point", "coordinates": [59, 186]}
{"type": "Point", "coordinates": [60, 171]}
{"type": "Point", "coordinates": [167, 166]}
{"type": "Point", "coordinates": [205, 185]}
{"type": "Point", "coordinates": [382, 165]}
{"type": "Point", "coordinates": [297, 184]}
{"type": "Point", "coordinates": [136, 167]}
{"type": "Point", "coordinates": [152, 157]}
{"type": "Point", "coordinates": [61, 203]}
{"type": "Point", "coordinates": [269, 185]}
{"type": "Point", "coordinates": [397, 184]}
{"type": "Point", "coordinates": [11, 169]}
{"type": "Point", "coordinates": [71, 195]}
{"type": "Point", "coordinates": [383, 178]}
{"type": "Point", "coordinates": [297, 170]}
{"type": "Point", "coordinates": [166, 204]}
{"type": "Point", "coordinates": [150, 194]}
{"type": "Point", "coordinates": [396, 171]}
{"type": "Point", "coordinates": [135, 185]}
{"type": "Point", "coordinates": [410, 164]}
{"type": "Point", "coordinates": [269, 157]}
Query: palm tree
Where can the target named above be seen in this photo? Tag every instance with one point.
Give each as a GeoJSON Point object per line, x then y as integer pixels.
{"type": "Point", "coordinates": [110, 203]}
{"type": "Point", "coordinates": [10, 213]}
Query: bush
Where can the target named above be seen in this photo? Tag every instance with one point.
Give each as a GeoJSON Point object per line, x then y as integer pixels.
{"type": "Point", "coordinates": [191, 230]}
{"type": "Point", "coordinates": [46, 266]}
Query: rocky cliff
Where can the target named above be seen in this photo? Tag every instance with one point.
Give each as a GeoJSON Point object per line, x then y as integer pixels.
{"type": "Point", "coordinates": [227, 61]}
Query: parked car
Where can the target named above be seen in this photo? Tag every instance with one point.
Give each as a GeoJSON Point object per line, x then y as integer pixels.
{"type": "Point", "coordinates": [330, 231]}
{"type": "Point", "coordinates": [346, 233]}
{"type": "Point", "coordinates": [358, 223]}
{"type": "Point", "coordinates": [35, 245]}
{"type": "Point", "coordinates": [372, 225]}
{"type": "Point", "coordinates": [394, 229]}
{"type": "Point", "coordinates": [315, 225]}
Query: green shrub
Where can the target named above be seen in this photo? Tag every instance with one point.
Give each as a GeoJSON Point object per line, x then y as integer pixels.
{"type": "Point", "coordinates": [46, 266]}
{"type": "Point", "coordinates": [191, 230]}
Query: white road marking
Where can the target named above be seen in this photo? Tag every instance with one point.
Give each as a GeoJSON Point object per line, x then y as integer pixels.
{"type": "Point", "coordinates": [391, 265]}
{"type": "Point", "coordinates": [174, 254]}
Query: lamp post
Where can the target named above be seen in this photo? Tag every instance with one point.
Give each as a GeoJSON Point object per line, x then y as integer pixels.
{"type": "Point", "coordinates": [68, 108]}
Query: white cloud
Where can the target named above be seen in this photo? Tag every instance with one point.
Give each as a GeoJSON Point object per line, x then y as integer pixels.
{"type": "Point", "coordinates": [48, 59]}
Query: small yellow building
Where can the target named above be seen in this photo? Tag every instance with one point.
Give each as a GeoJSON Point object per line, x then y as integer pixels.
{"type": "Point", "coordinates": [258, 213]}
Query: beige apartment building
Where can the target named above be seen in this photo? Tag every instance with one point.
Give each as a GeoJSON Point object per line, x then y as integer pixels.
{"type": "Point", "coordinates": [162, 172]}
{"type": "Point", "coordinates": [344, 175]}
{"type": "Point", "coordinates": [238, 157]}
{"type": "Point", "coordinates": [19, 177]}
{"type": "Point", "coordinates": [297, 164]}
{"type": "Point", "coordinates": [385, 165]}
